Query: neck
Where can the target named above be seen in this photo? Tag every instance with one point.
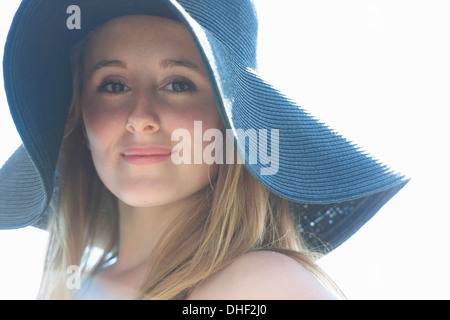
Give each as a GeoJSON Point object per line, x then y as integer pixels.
{"type": "Point", "coordinates": [140, 231]}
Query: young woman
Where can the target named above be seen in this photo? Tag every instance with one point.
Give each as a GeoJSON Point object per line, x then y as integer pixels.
{"type": "Point", "coordinates": [134, 219]}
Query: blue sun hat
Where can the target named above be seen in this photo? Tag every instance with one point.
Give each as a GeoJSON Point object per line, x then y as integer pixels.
{"type": "Point", "coordinates": [333, 186]}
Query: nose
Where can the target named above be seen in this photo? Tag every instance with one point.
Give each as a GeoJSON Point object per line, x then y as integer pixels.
{"type": "Point", "coordinates": [143, 116]}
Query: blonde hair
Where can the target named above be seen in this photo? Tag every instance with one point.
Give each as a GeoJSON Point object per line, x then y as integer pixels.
{"type": "Point", "coordinates": [234, 215]}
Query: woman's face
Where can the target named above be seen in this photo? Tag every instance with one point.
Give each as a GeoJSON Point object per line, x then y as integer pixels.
{"type": "Point", "coordinates": [143, 78]}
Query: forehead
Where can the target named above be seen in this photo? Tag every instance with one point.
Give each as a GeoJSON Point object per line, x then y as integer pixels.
{"type": "Point", "coordinates": [139, 32]}
{"type": "Point", "coordinates": [139, 22]}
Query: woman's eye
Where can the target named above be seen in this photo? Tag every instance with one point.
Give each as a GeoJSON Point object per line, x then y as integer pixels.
{"type": "Point", "coordinates": [114, 87]}
{"type": "Point", "coordinates": [180, 86]}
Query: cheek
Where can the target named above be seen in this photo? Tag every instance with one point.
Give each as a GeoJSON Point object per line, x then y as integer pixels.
{"type": "Point", "coordinates": [204, 110]}
{"type": "Point", "coordinates": [101, 123]}
{"type": "Point", "coordinates": [210, 113]}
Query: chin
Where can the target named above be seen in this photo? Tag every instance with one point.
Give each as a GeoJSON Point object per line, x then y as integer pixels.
{"type": "Point", "coordinates": [143, 200]}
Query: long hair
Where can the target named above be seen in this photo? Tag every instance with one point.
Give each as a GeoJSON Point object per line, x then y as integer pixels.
{"type": "Point", "coordinates": [234, 214]}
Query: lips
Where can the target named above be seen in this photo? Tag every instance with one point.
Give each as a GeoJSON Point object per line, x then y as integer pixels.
{"type": "Point", "coordinates": [145, 155]}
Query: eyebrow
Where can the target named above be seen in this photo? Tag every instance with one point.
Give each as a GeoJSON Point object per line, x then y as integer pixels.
{"type": "Point", "coordinates": [170, 63]}
{"type": "Point", "coordinates": [167, 63]}
{"type": "Point", "coordinates": [108, 63]}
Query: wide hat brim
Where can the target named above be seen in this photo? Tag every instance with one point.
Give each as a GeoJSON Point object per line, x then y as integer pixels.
{"type": "Point", "coordinates": [333, 186]}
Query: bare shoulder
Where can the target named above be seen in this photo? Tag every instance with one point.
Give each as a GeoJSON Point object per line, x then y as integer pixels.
{"type": "Point", "coordinates": [262, 275]}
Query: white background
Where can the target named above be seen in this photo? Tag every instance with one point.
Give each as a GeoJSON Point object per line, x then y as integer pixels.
{"type": "Point", "coordinates": [379, 73]}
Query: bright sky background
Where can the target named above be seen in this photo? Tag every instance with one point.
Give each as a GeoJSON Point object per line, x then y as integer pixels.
{"type": "Point", "coordinates": [378, 72]}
